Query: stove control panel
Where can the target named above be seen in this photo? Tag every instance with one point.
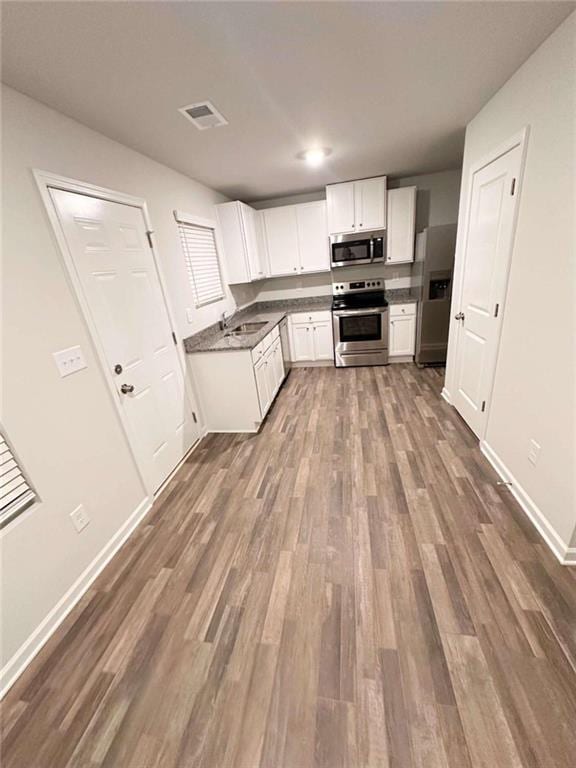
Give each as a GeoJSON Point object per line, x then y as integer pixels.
{"type": "Point", "coordinates": [357, 286]}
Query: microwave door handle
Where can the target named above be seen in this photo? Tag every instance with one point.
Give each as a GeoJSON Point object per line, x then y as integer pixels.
{"type": "Point", "coordinates": [371, 250]}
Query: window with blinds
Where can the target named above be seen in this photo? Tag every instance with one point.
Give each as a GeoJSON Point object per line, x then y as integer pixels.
{"type": "Point", "coordinates": [201, 255]}
{"type": "Point", "coordinates": [16, 492]}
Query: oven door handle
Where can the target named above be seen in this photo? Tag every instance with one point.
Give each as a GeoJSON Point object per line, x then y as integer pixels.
{"type": "Point", "coordinates": [367, 311]}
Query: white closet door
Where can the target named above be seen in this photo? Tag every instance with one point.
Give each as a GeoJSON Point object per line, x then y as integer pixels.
{"type": "Point", "coordinates": [108, 245]}
{"type": "Point", "coordinates": [487, 254]}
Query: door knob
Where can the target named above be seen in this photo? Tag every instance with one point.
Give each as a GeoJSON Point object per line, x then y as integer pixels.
{"type": "Point", "coordinates": [127, 389]}
{"type": "Point", "coordinates": [459, 316]}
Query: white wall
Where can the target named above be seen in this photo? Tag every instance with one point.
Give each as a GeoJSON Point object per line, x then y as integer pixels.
{"type": "Point", "coordinates": [437, 203]}
{"type": "Point", "coordinates": [534, 388]}
{"type": "Point", "coordinates": [66, 430]}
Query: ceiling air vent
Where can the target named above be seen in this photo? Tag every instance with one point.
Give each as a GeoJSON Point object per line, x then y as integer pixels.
{"type": "Point", "coordinates": [203, 115]}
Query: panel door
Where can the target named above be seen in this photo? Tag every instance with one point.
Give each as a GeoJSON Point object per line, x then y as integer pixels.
{"type": "Point", "coordinates": [340, 204]}
{"type": "Point", "coordinates": [400, 231]}
{"type": "Point", "coordinates": [302, 343]}
{"type": "Point", "coordinates": [254, 253]}
{"type": "Point", "coordinates": [323, 343]}
{"type": "Point", "coordinates": [313, 237]}
{"type": "Point", "coordinates": [402, 335]}
{"type": "Point", "coordinates": [263, 386]}
{"type": "Point", "coordinates": [370, 203]}
{"type": "Point", "coordinates": [487, 252]}
{"type": "Point", "coordinates": [282, 240]}
{"type": "Point", "coordinates": [107, 242]}
{"type": "Point", "coordinates": [278, 362]}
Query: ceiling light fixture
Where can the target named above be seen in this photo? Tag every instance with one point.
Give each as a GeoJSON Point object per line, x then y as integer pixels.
{"type": "Point", "coordinates": [316, 156]}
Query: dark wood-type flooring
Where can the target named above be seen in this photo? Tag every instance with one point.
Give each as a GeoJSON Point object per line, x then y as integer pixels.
{"type": "Point", "coordinates": [350, 588]}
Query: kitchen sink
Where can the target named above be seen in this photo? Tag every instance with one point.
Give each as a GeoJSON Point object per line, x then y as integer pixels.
{"type": "Point", "coordinates": [246, 328]}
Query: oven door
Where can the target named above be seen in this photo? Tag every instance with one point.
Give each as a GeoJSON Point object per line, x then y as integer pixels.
{"type": "Point", "coordinates": [358, 330]}
{"type": "Point", "coordinates": [351, 252]}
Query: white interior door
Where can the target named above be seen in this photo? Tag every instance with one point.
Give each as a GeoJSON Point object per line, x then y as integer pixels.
{"type": "Point", "coordinates": [486, 260]}
{"type": "Point", "coordinates": [120, 285]}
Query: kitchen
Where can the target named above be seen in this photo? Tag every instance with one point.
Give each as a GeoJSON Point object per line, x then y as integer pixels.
{"type": "Point", "coordinates": [286, 447]}
{"type": "Point", "coordinates": [354, 241]}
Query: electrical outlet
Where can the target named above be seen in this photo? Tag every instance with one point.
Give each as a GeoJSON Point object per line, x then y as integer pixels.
{"type": "Point", "coordinates": [80, 518]}
{"type": "Point", "coordinates": [69, 361]}
{"type": "Point", "coordinates": [533, 452]}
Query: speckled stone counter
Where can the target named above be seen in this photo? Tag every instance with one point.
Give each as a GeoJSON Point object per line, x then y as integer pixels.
{"type": "Point", "coordinates": [212, 339]}
{"type": "Point", "coordinates": [402, 295]}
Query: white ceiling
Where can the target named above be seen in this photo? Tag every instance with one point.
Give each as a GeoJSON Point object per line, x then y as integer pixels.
{"type": "Point", "coordinates": [389, 86]}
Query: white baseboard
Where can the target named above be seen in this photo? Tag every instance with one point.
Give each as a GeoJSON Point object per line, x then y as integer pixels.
{"type": "Point", "coordinates": [565, 554]}
{"type": "Point", "coordinates": [400, 359]}
{"type": "Point", "coordinates": [312, 364]}
{"type": "Point", "coordinates": [28, 650]}
{"type": "Point", "coordinates": [446, 395]}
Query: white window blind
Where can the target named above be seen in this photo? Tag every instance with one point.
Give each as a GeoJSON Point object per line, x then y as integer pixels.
{"type": "Point", "coordinates": [201, 255]}
{"type": "Point", "coordinates": [16, 493]}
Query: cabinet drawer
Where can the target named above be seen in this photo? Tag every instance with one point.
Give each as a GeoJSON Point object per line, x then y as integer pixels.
{"type": "Point", "coordinates": [402, 309]}
{"type": "Point", "coordinates": [303, 318]}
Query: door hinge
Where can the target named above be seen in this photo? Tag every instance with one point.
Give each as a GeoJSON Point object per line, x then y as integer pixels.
{"type": "Point", "coordinates": [149, 234]}
{"type": "Point", "coordinates": [174, 338]}
{"type": "Point", "coordinates": [194, 417]}
{"type": "Point", "coordinates": [496, 308]}
{"type": "Point", "coordinates": [513, 186]}
{"type": "Point", "coordinates": [483, 406]}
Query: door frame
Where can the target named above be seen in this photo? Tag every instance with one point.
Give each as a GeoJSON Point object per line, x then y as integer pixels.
{"type": "Point", "coordinates": [519, 139]}
{"type": "Point", "coordinates": [45, 180]}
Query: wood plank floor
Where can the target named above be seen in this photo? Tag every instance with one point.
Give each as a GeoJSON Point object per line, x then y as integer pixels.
{"type": "Point", "coordinates": [348, 588]}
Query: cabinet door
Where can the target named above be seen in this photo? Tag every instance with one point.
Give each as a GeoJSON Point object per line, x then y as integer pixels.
{"type": "Point", "coordinates": [232, 231]}
{"type": "Point", "coordinates": [340, 202]}
{"type": "Point", "coordinates": [253, 251]}
{"type": "Point", "coordinates": [278, 365]}
{"type": "Point", "coordinates": [323, 344]}
{"type": "Point", "coordinates": [261, 243]}
{"type": "Point", "coordinates": [313, 237]}
{"type": "Point", "coordinates": [263, 386]}
{"type": "Point", "coordinates": [401, 225]}
{"type": "Point", "coordinates": [301, 337]}
{"type": "Point", "coordinates": [282, 240]}
{"type": "Point", "coordinates": [370, 203]}
{"type": "Point", "coordinates": [402, 335]}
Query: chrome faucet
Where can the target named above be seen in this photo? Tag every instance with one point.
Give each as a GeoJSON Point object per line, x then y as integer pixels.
{"type": "Point", "coordinates": [223, 322]}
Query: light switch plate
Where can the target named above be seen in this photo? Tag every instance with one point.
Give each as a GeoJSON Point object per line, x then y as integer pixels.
{"type": "Point", "coordinates": [69, 360]}
{"type": "Point", "coordinates": [189, 315]}
{"type": "Point", "coordinates": [80, 518]}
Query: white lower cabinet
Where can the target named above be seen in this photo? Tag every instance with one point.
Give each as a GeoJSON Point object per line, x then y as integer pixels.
{"type": "Point", "coordinates": [311, 336]}
{"type": "Point", "coordinates": [402, 330]}
{"type": "Point", "coordinates": [237, 387]}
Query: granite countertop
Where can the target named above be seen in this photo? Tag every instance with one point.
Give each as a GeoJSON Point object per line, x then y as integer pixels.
{"type": "Point", "coordinates": [402, 295]}
{"type": "Point", "coordinates": [212, 339]}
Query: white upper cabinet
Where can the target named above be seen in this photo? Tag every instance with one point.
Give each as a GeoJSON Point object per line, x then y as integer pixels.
{"type": "Point", "coordinates": [256, 258]}
{"type": "Point", "coordinates": [244, 260]}
{"type": "Point", "coordinates": [281, 228]}
{"type": "Point", "coordinates": [296, 239]}
{"type": "Point", "coordinates": [313, 237]}
{"type": "Point", "coordinates": [341, 212]}
{"type": "Point", "coordinates": [401, 225]}
{"type": "Point", "coordinates": [356, 206]}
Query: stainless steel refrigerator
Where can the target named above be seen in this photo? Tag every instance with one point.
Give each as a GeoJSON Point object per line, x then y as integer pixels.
{"type": "Point", "coordinates": [433, 276]}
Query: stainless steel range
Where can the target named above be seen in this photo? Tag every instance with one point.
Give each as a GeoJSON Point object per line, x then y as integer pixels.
{"type": "Point", "coordinates": [360, 322]}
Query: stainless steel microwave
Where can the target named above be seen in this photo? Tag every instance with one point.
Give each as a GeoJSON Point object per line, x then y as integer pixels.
{"type": "Point", "coordinates": [349, 250]}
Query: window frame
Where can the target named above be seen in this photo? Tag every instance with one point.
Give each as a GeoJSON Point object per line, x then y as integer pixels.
{"type": "Point", "coordinates": [16, 507]}
{"type": "Point", "coordinates": [184, 218]}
